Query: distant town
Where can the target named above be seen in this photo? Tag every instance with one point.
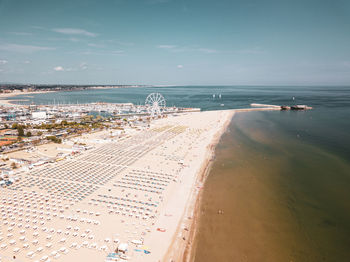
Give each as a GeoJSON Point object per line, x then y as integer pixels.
{"type": "Point", "coordinates": [9, 88]}
{"type": "Point", "coordinates": [25, 127]}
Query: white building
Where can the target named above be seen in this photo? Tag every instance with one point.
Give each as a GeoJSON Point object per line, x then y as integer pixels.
{"type": "Point", "coordinates": [39, 115]}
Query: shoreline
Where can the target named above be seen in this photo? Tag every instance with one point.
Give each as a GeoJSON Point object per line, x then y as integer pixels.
{"type": "Point", "coordinates": [183, 247]}
{"type": "Point", "coordinates": [8, 102]}
{"type": "Point", "coordinates": [188, 256]}
{"type": "Point", "coordinates": [5, 101]}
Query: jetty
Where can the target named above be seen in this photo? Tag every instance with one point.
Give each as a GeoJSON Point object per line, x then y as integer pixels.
{"type": "Point", "coordinates": [277, 107]}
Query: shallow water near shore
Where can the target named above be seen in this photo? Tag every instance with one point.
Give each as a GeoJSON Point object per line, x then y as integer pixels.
{"type": "Point", "coordinates": [282, 180]}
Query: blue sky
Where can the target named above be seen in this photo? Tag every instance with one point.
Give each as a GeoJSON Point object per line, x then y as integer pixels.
{"type": "Point", "coordinates": [182, 42]}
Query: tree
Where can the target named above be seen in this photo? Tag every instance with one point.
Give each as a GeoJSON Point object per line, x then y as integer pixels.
{"type": "Point", "coordinates": [29, 134]}
{"type": "Point", "coordinates": [13, 165]}
{"type": "Point", "coordinates": [20, 131]}
{"type": "Point", "coordinates": [40, 133]}
{"type": "Point", "coordinates": [14, 125]}
{"type": "Point", "coordinates": [54, 139]}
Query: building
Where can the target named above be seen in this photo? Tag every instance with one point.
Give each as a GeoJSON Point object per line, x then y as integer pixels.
{"type": "Point", "coordinates": [39, 115]}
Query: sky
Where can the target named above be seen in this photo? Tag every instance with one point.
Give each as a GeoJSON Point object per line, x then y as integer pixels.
{"type": "Point", "coordinates": [175, 42]}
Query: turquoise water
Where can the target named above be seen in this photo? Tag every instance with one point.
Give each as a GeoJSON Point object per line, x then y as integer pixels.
{"type": "Point", "coordinates": [201, 96]}
{"type": "Point", "coordinates": [327, 125]}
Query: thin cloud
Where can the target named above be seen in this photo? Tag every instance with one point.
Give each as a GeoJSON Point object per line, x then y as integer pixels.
{"type": "Point", "coordinates": [74, 39]}
{"type": "Point", "coordinates": [251, 51]}
{"type": "Point", "coordinates": [207, 50]}
{"type": "Point", "coordinates": [58, 68]}
{"type": "Point", "coordinates": [115, 52]}
{"type": "Point", "coordinates": [180, 66]}
{"type": "Point", "coordinates": [38, 27]}
{"type": "Point", "coordinates": [120, 42]}
{"type": "Point", "coordinates": [3, 62]}
{"type": "Point", "coordinates": [177, 49]}
{"type": "Point", "coordinates": [24, 48]}
{"type": "Point", "coordinates": [83, 66]}
{"type": "Point", "coordinates": [166, 46]}
{"type": "Point", "coordinates": [95, 45]}
{"type": "Point", "coordinates": [74, 31]}
{"type": "Point", "coordinates": [21, 33]}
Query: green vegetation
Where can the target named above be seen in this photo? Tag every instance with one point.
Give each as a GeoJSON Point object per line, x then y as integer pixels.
{"type": "Point", "coordinates": [54, 139]}
{"type": "Point", "coordinates": [20, 130]}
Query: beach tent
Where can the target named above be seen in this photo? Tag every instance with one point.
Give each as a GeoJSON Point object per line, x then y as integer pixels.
{"type": "Point", "coordinates": [123, 247]}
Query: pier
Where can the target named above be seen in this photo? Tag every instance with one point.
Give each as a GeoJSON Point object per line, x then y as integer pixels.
{"type": "Point", "coordinates": [277, 107]}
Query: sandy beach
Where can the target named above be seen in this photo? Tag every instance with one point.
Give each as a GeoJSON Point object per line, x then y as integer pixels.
{"type": "Point", "coordinates": [139, 191]}
{"type": "Point", "coordinates": [7, 102]}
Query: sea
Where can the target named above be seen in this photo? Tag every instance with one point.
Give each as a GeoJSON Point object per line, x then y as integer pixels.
{"type": "Point", "coordinates": [279, 186]}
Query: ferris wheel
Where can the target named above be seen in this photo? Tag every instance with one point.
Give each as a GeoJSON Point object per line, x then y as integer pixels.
{"type": "Point", "coordinates": [155, 103]}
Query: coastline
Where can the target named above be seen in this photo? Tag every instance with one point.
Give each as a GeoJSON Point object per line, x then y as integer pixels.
{"type": "Point", "coordinates": [5, 101]}
{"type": "Point", "coordinates": [181, 249]}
